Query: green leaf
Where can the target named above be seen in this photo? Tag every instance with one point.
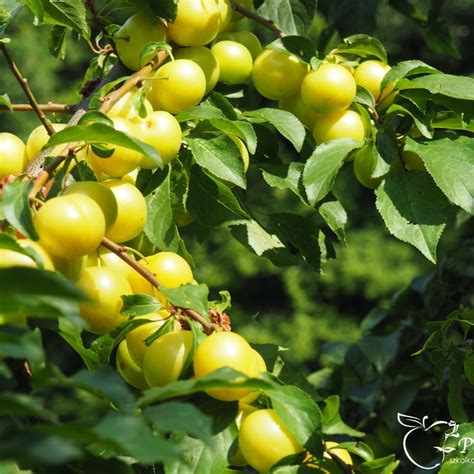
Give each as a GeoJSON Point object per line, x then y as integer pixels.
{"type": "Point", "coordinates": [450, 161]}
{"type": "Point", "coordinates": [469, 368]}
{"type": "Point", "coordinates": [323, 165]}
{"type": "Point", "coordinates": [70, 13]}
{"type": "Point", "coordinates": [160, 227]}
{"type": "Point", "coordinates": [297, 45]}
{"type": "Point", "coordinates": [250, 233]}
{"type": "Point", "coordinates": [16, 207]}
{"type": "Point", "coordinates": [362, 45]}
{"type": "Point", "coordinates": [386, 465]}
{"type": "Point", "coordinates": [202, 111]}
{"type": "Point", "coordinates": [301, 232]}
{"type": "Point", "coordinates": [221, 378]}
{"type": "Point", "coordinates": [222, 103]}
{"type": "Point", "coordinates": [358, 448]}
{"type": "Point", "coordinates": [201, 457]}
{"type": "Point", "coordinates": [336, 218]}
{"type": "Point", "coordinates": [421, 120]}
{"type": "Point", "coordinates": [21, 343]}
{"type": "Point", "coordinates": [138, 305]}
{"type": "Point", "coordinates": [459, 87]}
{"type": "Point", "coordinates": [57, 41]}
{"type": "Point", "coordinates": [455, 395]}
{"type": "Point", "coordinates": [406, 69]}
{"type": "Point", "coordinates": [105, 383]}
{"type": "Point", "coordinates": [212, 202]}
{"type": "Point", "coordinates": [297, 410]}
{"type": "Point", "coordinates": [8, 11]}
{"type": "Point", "coordinates": [5, 102]}
{"type": "Point", "coordinates": [133, 437]}
{"type": "Point", "coordinates": [71, 333]}
{"type": "Point", "coordinates": [101, 133]}
{"type": "Point", "coordinates": [293, 17]}
{"type": "Point", "coordinates": [180, 417]}
{"type": "Point", "coordinates": [188, 296]}
{"type": "Point", "coordinates": [284, 177]}
{"type": "Point", "coordinates": [285, 122]}
{"type": "Point", "coordinates": [165, 9]}
{"type": "Point", "coordinates": [244, 130]}
{"type": "Point", "coordinates": [83, 172]}
{"type": "Point", "coordinates": [220, 156]}
{"type": "Point", "coordinates": [365, 97]}
{"type": "Point", "coordinates": [414, 210]}
{"type": "Point", "coordinates": [151, 50]}
{"type": "Point", "coordinates": [9, 243]}
{"type": "Point", "coordinates": [42, 293]}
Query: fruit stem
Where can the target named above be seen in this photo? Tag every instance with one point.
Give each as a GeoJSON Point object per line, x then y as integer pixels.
{"type": "Point", "coordinates": [49, 107]}
{"type": "Point", "coordinates": [254, 16]}
{"type": "Point", "coordinates": [26, 89]}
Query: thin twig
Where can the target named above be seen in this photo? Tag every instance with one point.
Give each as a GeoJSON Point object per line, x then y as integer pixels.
{"type": "Point", "coordinates": [149, 276]}
{"type": "Point", "coordinates": [133, 81]}
{"type": "Point", "coordinates": [122, 253]}
{"type": "Point", "coordinates": [50, 107]}
{"type": "Point", "coordinates": [43, 174]}
{"type": "Point", "coordinates": [197, 317]}
{"type": "Point", "coordinates": [26, 89]}
{"type": "Point", "coordinates": [259, 19]}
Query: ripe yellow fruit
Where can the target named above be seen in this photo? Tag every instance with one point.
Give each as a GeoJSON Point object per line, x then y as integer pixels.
{"type": "Point", "coordinates": [261, 367]}
{"type": "Point", "coordinates": [132, 211]}
{"type": "Point", "coordinates": [235, 61]}
{"type": "Point", "coordinates": [331, 88]}
{"type": "Point", "coordinates": [226, 12]}
{"type": "Point", "coordinates": [299, 109]}
{"type": "Point", "coordinates": [276, 74]}
{"type": "Point", "coordinates": [102, 195]}
{"type": "Point", "coordinates": [136, 337]}
{"type": "Point", "coordinates": [197, 22]}
{"type": "Point", "coordinates": [10, 258]}
{"type": "Point", "coordinates": [12, 155]}
{"type": "Point", "coordinates": [70, 226]}
{"type": "Point", "coordinates": [203, 57]}
{"type": "Point", "coordinates": [134, 35]}
{"type": "Point", "coordinates": [38, 138]}
{"type": "Point", "coordinates": [123, 160]}
{"type": "Point", "coordinates": [412, 161]}
{"type": "Point", "coordinates": [124, 108]}
{"type": "Point", "coordinates": [264, 440]}
{"type": "Point", "coordinates": [341, 453]}
{"type": "Point", "coordinates": [170, 269]}
{"type": "Point", "coordinates": [369, 74]}
{"type": "Point", "coordinates": [246, 38]}
{"type": "Point", "coordinates": [162, 131]}
{"type": "Point", "coordinates": [128, 369]}
{"type": "Point", "coordinates": [225, 349]}
{"type": "Point", "coordinates": [244, 411]}
{"type": "Point", "coordinates": [334, 125]}
{"type": "Point", "coordinates": [164, 359]}
{"type": "Point", "coordinates": [177, 86]}
{"type": "Point", "coordinates": [104, 287]}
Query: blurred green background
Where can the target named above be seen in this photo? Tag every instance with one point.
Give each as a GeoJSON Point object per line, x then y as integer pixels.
{"type": "Point", "coordinates": [294, 307]}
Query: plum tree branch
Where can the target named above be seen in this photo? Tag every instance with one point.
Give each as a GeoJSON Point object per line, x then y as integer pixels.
{"type": "Point", "coordinates": [49, 107]}
{"type": "Point", "coordinates": [36, 168]}
{"type": "Point", "coordinates": [149, 276]}
{"type": "Point", "coordinates": [259, 19]}
{"type": "Point", "coordinates": [26, 89]}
